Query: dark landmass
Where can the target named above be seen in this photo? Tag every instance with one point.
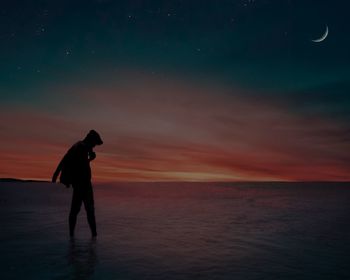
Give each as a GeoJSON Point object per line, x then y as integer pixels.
{"type": "Point", "coordinates": [15, 180]}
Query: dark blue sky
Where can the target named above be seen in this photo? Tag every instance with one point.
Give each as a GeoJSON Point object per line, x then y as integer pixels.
{"type": "Point", "coordinates": [259, 43]}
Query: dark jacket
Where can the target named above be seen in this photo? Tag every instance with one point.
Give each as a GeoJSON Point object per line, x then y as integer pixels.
{"type": "Point", "coordinates": [75, 165]}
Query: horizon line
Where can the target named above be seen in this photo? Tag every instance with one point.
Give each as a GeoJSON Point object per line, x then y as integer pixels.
{"type": "Point", "coordinates": [7, 179]}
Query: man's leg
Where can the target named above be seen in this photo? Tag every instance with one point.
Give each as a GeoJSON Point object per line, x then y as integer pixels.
{"type": "Point", "coordinates": [90, 209]}
{"type": "Point", "coordinates": [77, 199]}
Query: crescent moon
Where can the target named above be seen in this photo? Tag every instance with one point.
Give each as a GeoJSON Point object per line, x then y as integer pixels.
{"type": "Point", "coordinates": [323, 37]}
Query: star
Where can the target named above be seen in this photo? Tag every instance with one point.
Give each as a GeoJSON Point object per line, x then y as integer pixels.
{"type": "Point", "coordinates": [40, 30]}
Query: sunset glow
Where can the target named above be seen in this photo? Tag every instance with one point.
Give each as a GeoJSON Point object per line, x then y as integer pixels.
{"type": "Point", "coordinates": [162, 130]}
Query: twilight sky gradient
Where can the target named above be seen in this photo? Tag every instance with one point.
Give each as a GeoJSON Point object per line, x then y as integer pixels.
{"type": "Point", "coordinates": [179, 90]}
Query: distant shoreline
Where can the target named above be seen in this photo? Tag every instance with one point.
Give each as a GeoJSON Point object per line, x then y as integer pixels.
{"type": "Point", "coordinates": [15, 180]}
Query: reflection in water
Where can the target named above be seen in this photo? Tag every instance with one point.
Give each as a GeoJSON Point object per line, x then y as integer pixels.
{"type": "Point", "coordinates": [82, 259]}
{"type": "Point", "coordinates": [183, 232]}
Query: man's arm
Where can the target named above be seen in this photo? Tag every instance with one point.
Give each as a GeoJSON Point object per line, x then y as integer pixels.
{"type": "Point", "coordinates": [91, 155]}
{"type": "Point", "coordinates": [58, 170]}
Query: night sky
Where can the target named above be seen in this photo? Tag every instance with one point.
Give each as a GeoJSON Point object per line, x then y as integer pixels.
{"type": "Point", "coordinates": [179, 90]}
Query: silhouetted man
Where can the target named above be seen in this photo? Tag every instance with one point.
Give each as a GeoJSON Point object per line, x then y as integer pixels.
{"type": "Point", "coordinates": [75, 170]}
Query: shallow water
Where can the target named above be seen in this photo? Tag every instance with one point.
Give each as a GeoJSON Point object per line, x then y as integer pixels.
{"type": "Point", "coordinates": [178, 231]}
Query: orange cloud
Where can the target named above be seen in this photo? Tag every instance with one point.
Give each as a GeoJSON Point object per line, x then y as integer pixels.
{"type": "Point", "coordinates": [161, 130]}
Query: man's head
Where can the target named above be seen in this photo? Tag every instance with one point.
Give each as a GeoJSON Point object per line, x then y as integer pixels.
{"type": "Point", "coordinates": [93, 139]}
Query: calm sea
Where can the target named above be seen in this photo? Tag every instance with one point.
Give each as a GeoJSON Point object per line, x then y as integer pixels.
{"type": "Point", "coordinates": [178, 231]}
